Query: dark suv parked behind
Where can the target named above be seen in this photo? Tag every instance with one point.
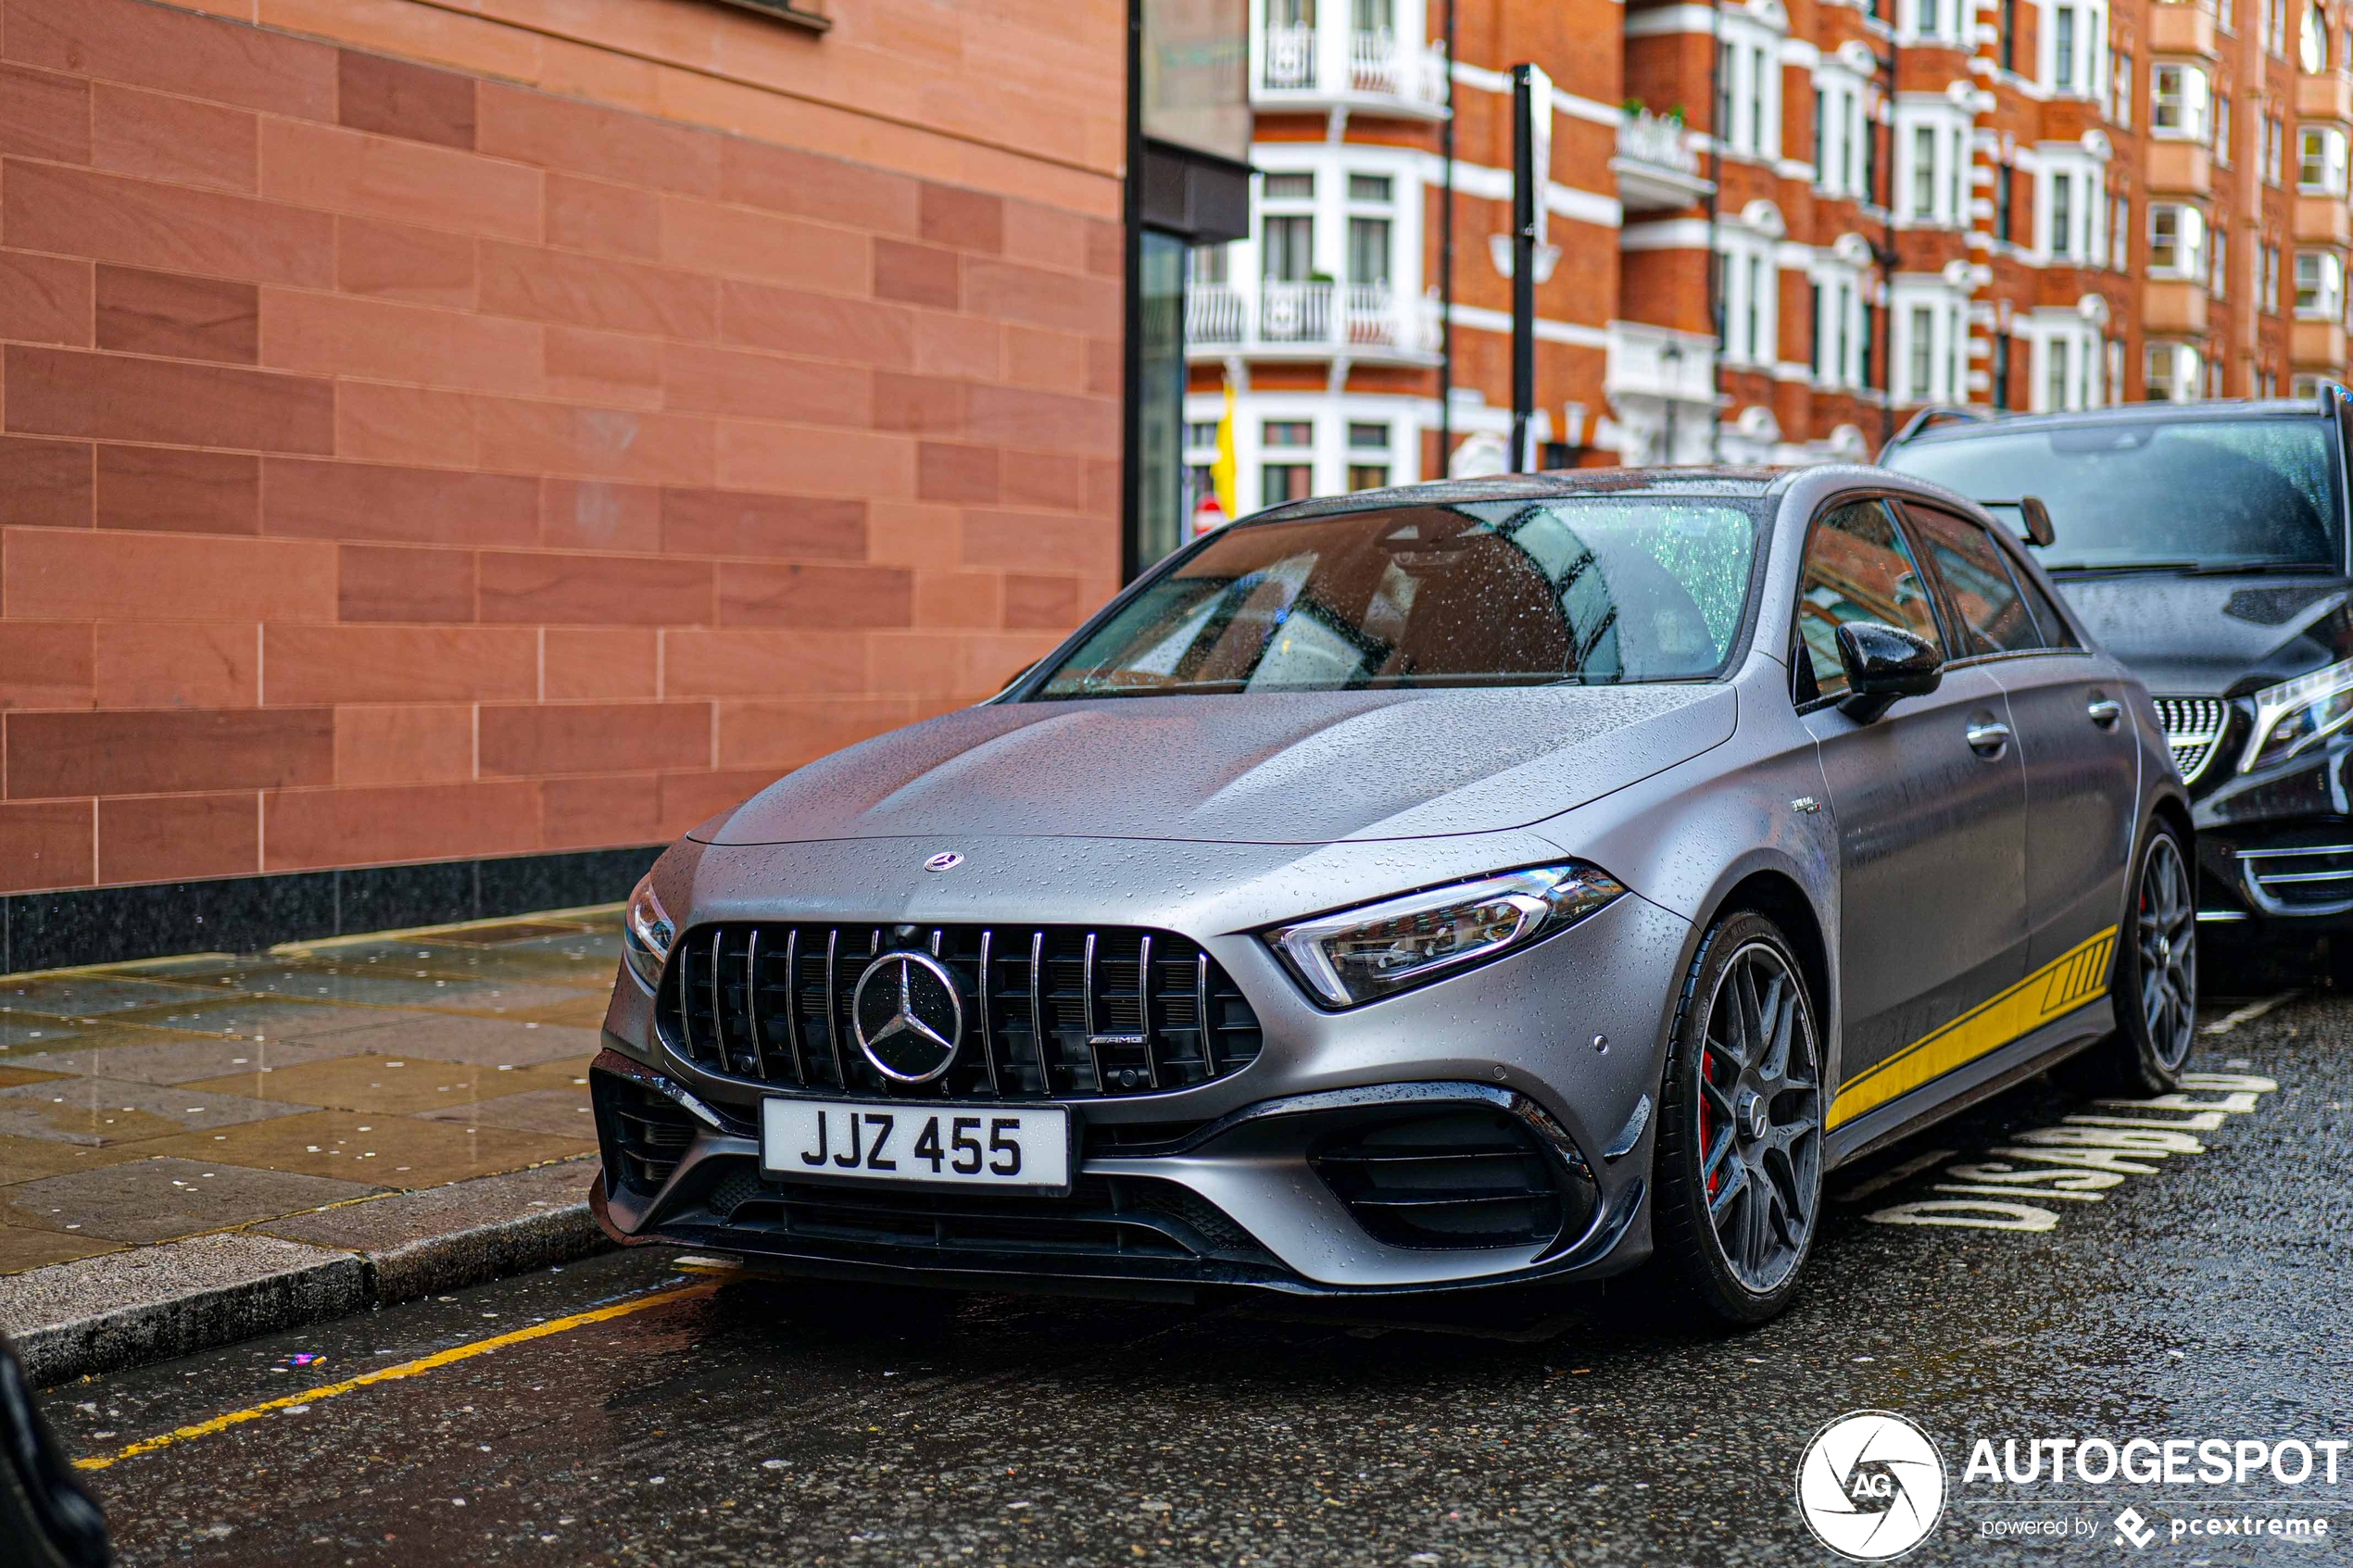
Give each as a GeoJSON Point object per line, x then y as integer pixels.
{"type": "Point", "coordinates": [2204, 544]}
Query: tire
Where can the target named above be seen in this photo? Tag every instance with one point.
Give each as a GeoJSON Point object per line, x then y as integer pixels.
{"type": "Point", "coordinates": [1740, 1200]}
{"type": "Point", "coordinates": [2155, 979]}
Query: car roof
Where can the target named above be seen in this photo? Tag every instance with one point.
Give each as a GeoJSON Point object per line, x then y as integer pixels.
{"type": "Point", "coordinates": [1964, 425]}
{"type": "Point", "coordinates": [1724, 480]}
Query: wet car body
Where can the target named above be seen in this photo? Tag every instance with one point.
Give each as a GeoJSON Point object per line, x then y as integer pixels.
{"type": "Point", "coordinates": [1490, 1126]}
{"type": "Point", "coordinates": [2215, 645]}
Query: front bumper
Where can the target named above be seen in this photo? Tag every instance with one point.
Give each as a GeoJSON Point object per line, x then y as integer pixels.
{"type": "Point", "coordinates": [1147, 1219]}
{"type": "Point", "coordinates": [2276, 846]}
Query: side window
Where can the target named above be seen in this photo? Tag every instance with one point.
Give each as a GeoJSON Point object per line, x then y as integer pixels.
{"type": "Point", "coordinates": [1857, 568]}
{"type": "Point", "coordinates": [1978, 584]}
{"type": "Point", "coordinates": [2056, 633]}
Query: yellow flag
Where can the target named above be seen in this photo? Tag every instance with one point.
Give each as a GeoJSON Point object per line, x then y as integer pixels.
{"type": "Point", "coordinates": [1221, 473]}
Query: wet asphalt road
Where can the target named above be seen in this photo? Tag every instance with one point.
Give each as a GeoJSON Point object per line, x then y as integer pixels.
{"type": "Point", "coordinates": [720, 1425]}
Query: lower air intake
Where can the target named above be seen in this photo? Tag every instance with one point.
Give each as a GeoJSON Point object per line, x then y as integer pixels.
{"type": "Point", "coordinates": [1455, 1178]}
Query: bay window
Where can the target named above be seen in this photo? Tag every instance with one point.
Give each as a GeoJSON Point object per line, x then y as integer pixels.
{"type": "Point", "coordinates": [2182, 101]}
{"type": "Point", "coordinates": [2320, 285]}
{"type": "Point", "coordinates": [2177, 241]}
{"type": "Point", "coordinates": [2174, 373]}
{"type": "Point", "coordinates": [2319, 161]}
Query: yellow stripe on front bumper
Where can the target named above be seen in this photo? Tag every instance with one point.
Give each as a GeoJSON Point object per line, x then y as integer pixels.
{"type": "Point", "coordinates": [2060, 986]}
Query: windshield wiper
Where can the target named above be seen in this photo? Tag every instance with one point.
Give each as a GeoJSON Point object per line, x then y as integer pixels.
{"type": "Point", "coordinates": [2082, 569]}
{"type": "Point", "coordinates": [2257, 568]}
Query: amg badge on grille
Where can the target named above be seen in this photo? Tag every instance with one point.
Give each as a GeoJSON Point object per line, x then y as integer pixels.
{"type": "Point", "coordinates": [907, 1016]}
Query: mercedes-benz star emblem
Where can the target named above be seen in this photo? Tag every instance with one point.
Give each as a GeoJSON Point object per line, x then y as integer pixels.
{"type": "Point", "coordinates": [945, 860]}
{"type": "Point", "coordinates": [907, 1016]}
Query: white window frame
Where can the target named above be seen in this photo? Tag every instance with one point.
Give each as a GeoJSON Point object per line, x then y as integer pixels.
{"type": "Point", "coordinates": [2086, 74]}
{"type": "Point", "coordinates": [2179, 229]}
{"type": "Point", "coordinates": [2323, 281]}
{"type": "Point", "coordinates": [1838, 325]}
{"type": "Point", "coordinates": [2174, 373]}
{"type": "Point", "coordinates": [2321, 147]}
{"type": "Point", "coordinates": [1749, 281]}
{"type": "Point", "coordinates": [2181, 102]}
{"type": "Point", "coordinates": [1750, 90]}
{"type": "Point", "coordinates": [1946, 133]}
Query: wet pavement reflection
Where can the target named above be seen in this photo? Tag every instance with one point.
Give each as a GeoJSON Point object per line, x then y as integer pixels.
{"type": "Point", "coordinates": [688, 1418]}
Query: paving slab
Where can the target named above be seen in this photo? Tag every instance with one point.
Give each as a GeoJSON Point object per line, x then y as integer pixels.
{"type": "Point", "coordinates": [386, 1150]}
{"type": "Point", "coordinates": [91, 996]}
{"type": "Point", "coordinates": [161, 1200]}
{"type": "Point", "coordinates": [160, 1057]}
{"type": "Point", "coordinates": [112, 1111]}
{"type": "Point", "coordinates": [395, 1084]}
{"type": "Point", "coordinates": [26, 1160]}
{"type": "Point", "coordinates": [380, 987]}
{"type": "Point", "coordinates": [265, 1018]}
{"type": "Point", "coordinates": [152, 1303]}
{"type": "Point", "coordinates": [417, 1243]}
{"type": "Point", "coordinates": [563, 1112]}
{"type": "Point", "coordinates": [26, 1028]}
{"type": "Point", "coordinates": [23, 1248]}
{"type": "Point", "coordinates": [485, 1042]}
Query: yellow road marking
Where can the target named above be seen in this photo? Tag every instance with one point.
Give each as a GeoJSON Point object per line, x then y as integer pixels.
{"type": "Point", "coordinates": [2062, 985]}
{"type": "Point", "coordinates": [407, 1369]}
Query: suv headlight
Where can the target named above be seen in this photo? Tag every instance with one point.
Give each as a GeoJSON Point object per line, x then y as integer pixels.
{"type": "Point", "coordinates": [2294, 714]}
{"type": "Point", "coordinates": [1362, 955]}
{"type": "Point", "coordinates": [646, 935]}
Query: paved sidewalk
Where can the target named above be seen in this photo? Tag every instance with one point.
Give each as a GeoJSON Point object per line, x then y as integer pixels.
{"type": "Point", "coordinates": [145, 1102]}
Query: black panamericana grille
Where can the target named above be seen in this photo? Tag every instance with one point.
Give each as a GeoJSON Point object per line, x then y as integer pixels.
{"type": "Point", "coordinates": [2194, 731]}
{"type": "Point", "coordinates": [1050, 1011]}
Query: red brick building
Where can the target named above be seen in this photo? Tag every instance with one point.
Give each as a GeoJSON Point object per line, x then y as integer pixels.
{"type": "Point", "coordinates": [1783, 226]}
{"type": "Point", "coordinates": [458, 442]}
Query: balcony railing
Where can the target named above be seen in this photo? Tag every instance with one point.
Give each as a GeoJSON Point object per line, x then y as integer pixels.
{"type": "Point", "coordinates": [1314, 318]}
{"type": "Point", "coordinates": [1656, 166]}
{"type": "Point", "coordinates": [1302, 61]}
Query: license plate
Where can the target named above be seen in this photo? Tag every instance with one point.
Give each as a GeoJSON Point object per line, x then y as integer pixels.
{"type": "Point", "coordinates": [945, 1145]}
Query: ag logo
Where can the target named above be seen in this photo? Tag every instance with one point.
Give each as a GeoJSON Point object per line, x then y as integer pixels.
{"type": "Point", "coordinates": [1872, 1486]}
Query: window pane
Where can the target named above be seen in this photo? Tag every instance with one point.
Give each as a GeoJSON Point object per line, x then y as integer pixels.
{"type": "Point", "coordinates": [1290, 187]}
{"type": "Point", "coordinates": [1977, 580]}
{"type": "Point", "coordinates": [1368, 188]}
{"type": "Point", "coordinates": [1494, 594]}
{"type": "Point", "coordinates": [1367, 476]}
{"type": "Point", "coordinates": [1857, 568]}
{"type": "Point", "coordinates": [1289, 248]}
{"type": "Point", "coordinates": [1368, 250]}
{"type": "Point", "coordinates": [1289, 432]}
{"type": "Point", "coordinates": [1278, 482]}
{"type": "Point", "coordinates": [1372, 435]}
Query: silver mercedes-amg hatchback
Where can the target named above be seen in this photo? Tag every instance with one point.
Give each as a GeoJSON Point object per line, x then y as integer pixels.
{"type": "Point", "coordinates": [1485, 882]}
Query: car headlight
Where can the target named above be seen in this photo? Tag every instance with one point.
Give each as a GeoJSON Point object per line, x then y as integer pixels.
{"type": "Point", "coordinates": [2294, 714]}
{"type": "Point", "coordinates": [1362, 955]}
{"type": "Point", "coordinates": [646, 935]}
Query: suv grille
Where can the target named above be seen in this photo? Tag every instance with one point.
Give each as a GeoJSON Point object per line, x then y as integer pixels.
{"type": "Point", "coordinates": [1050, 1011]}
{"type": "Point", "coordinates": [2194, 727]}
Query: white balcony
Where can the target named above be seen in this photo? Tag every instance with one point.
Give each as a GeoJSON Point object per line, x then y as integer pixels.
{"type": "Point", "coordinates": [1272, 318]}
{"type": "Point", "coordinates": [1377, 70]}
{"type": "Point", "coordinates": [1657, 168]}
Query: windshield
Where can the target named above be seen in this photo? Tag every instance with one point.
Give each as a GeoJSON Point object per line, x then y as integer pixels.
{"type": "Point", "coordinates": [1477, 594]}
{"type": "Point", "coordinates": [2200, 494]}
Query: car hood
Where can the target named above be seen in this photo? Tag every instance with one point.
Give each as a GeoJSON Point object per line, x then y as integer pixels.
{"type": "Point", "coordinates": [2200, 637]}
{"type": "Point", "coordinates": [1279, 768]}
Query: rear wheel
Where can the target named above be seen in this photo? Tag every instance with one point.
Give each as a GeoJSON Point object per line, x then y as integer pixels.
{"type": "Point", "coordinates": [2155, 979]}
{"type": "Point", "coordinates": [1740, 1143]}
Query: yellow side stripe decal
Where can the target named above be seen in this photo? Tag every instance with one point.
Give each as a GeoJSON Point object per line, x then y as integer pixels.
{"type": "Point", "coordinates": [2060, 986]}
{"type": "Point", "coordinates": [385, 1375]}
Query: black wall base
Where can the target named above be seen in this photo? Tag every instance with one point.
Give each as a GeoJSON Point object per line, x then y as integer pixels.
{"type": "Point", "coordinates": [241, 914]}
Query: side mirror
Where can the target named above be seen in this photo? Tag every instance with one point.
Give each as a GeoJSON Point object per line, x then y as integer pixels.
{"type": "Point", "coordinates": [1883, 663]}
{"type": "Point", "coordinates": [2037, 518]}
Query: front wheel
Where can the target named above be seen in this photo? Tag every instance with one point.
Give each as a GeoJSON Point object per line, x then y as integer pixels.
{"type": "Point", "coordinates": [1740, 1142]}
{"type": "Point", "coordinates": [2155, 986]}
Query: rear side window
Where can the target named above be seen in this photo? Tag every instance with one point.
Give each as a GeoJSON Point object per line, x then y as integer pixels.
{"type": "Point", "coordinates": [1857, 568]}
{"type": "Point", "coordinates": [1978, 584]}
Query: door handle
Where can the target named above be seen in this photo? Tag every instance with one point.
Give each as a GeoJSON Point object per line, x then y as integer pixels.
{"type": "Point", "coordinates": [1988, 737]}
{"type": "Point", "coordinates": [2104, 711]}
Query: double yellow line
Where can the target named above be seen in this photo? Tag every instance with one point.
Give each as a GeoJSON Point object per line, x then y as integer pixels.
{"type": "Point", "coordinates": [418, 1368]}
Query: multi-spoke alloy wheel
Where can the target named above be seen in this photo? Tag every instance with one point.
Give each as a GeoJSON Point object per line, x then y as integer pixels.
{"type": "Point", "coordinates": [1739, 1145]}
{"type": "Point", "coordinates": [2165, 930]}
{"type": "Point", "coordinates": [2155, 984]}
